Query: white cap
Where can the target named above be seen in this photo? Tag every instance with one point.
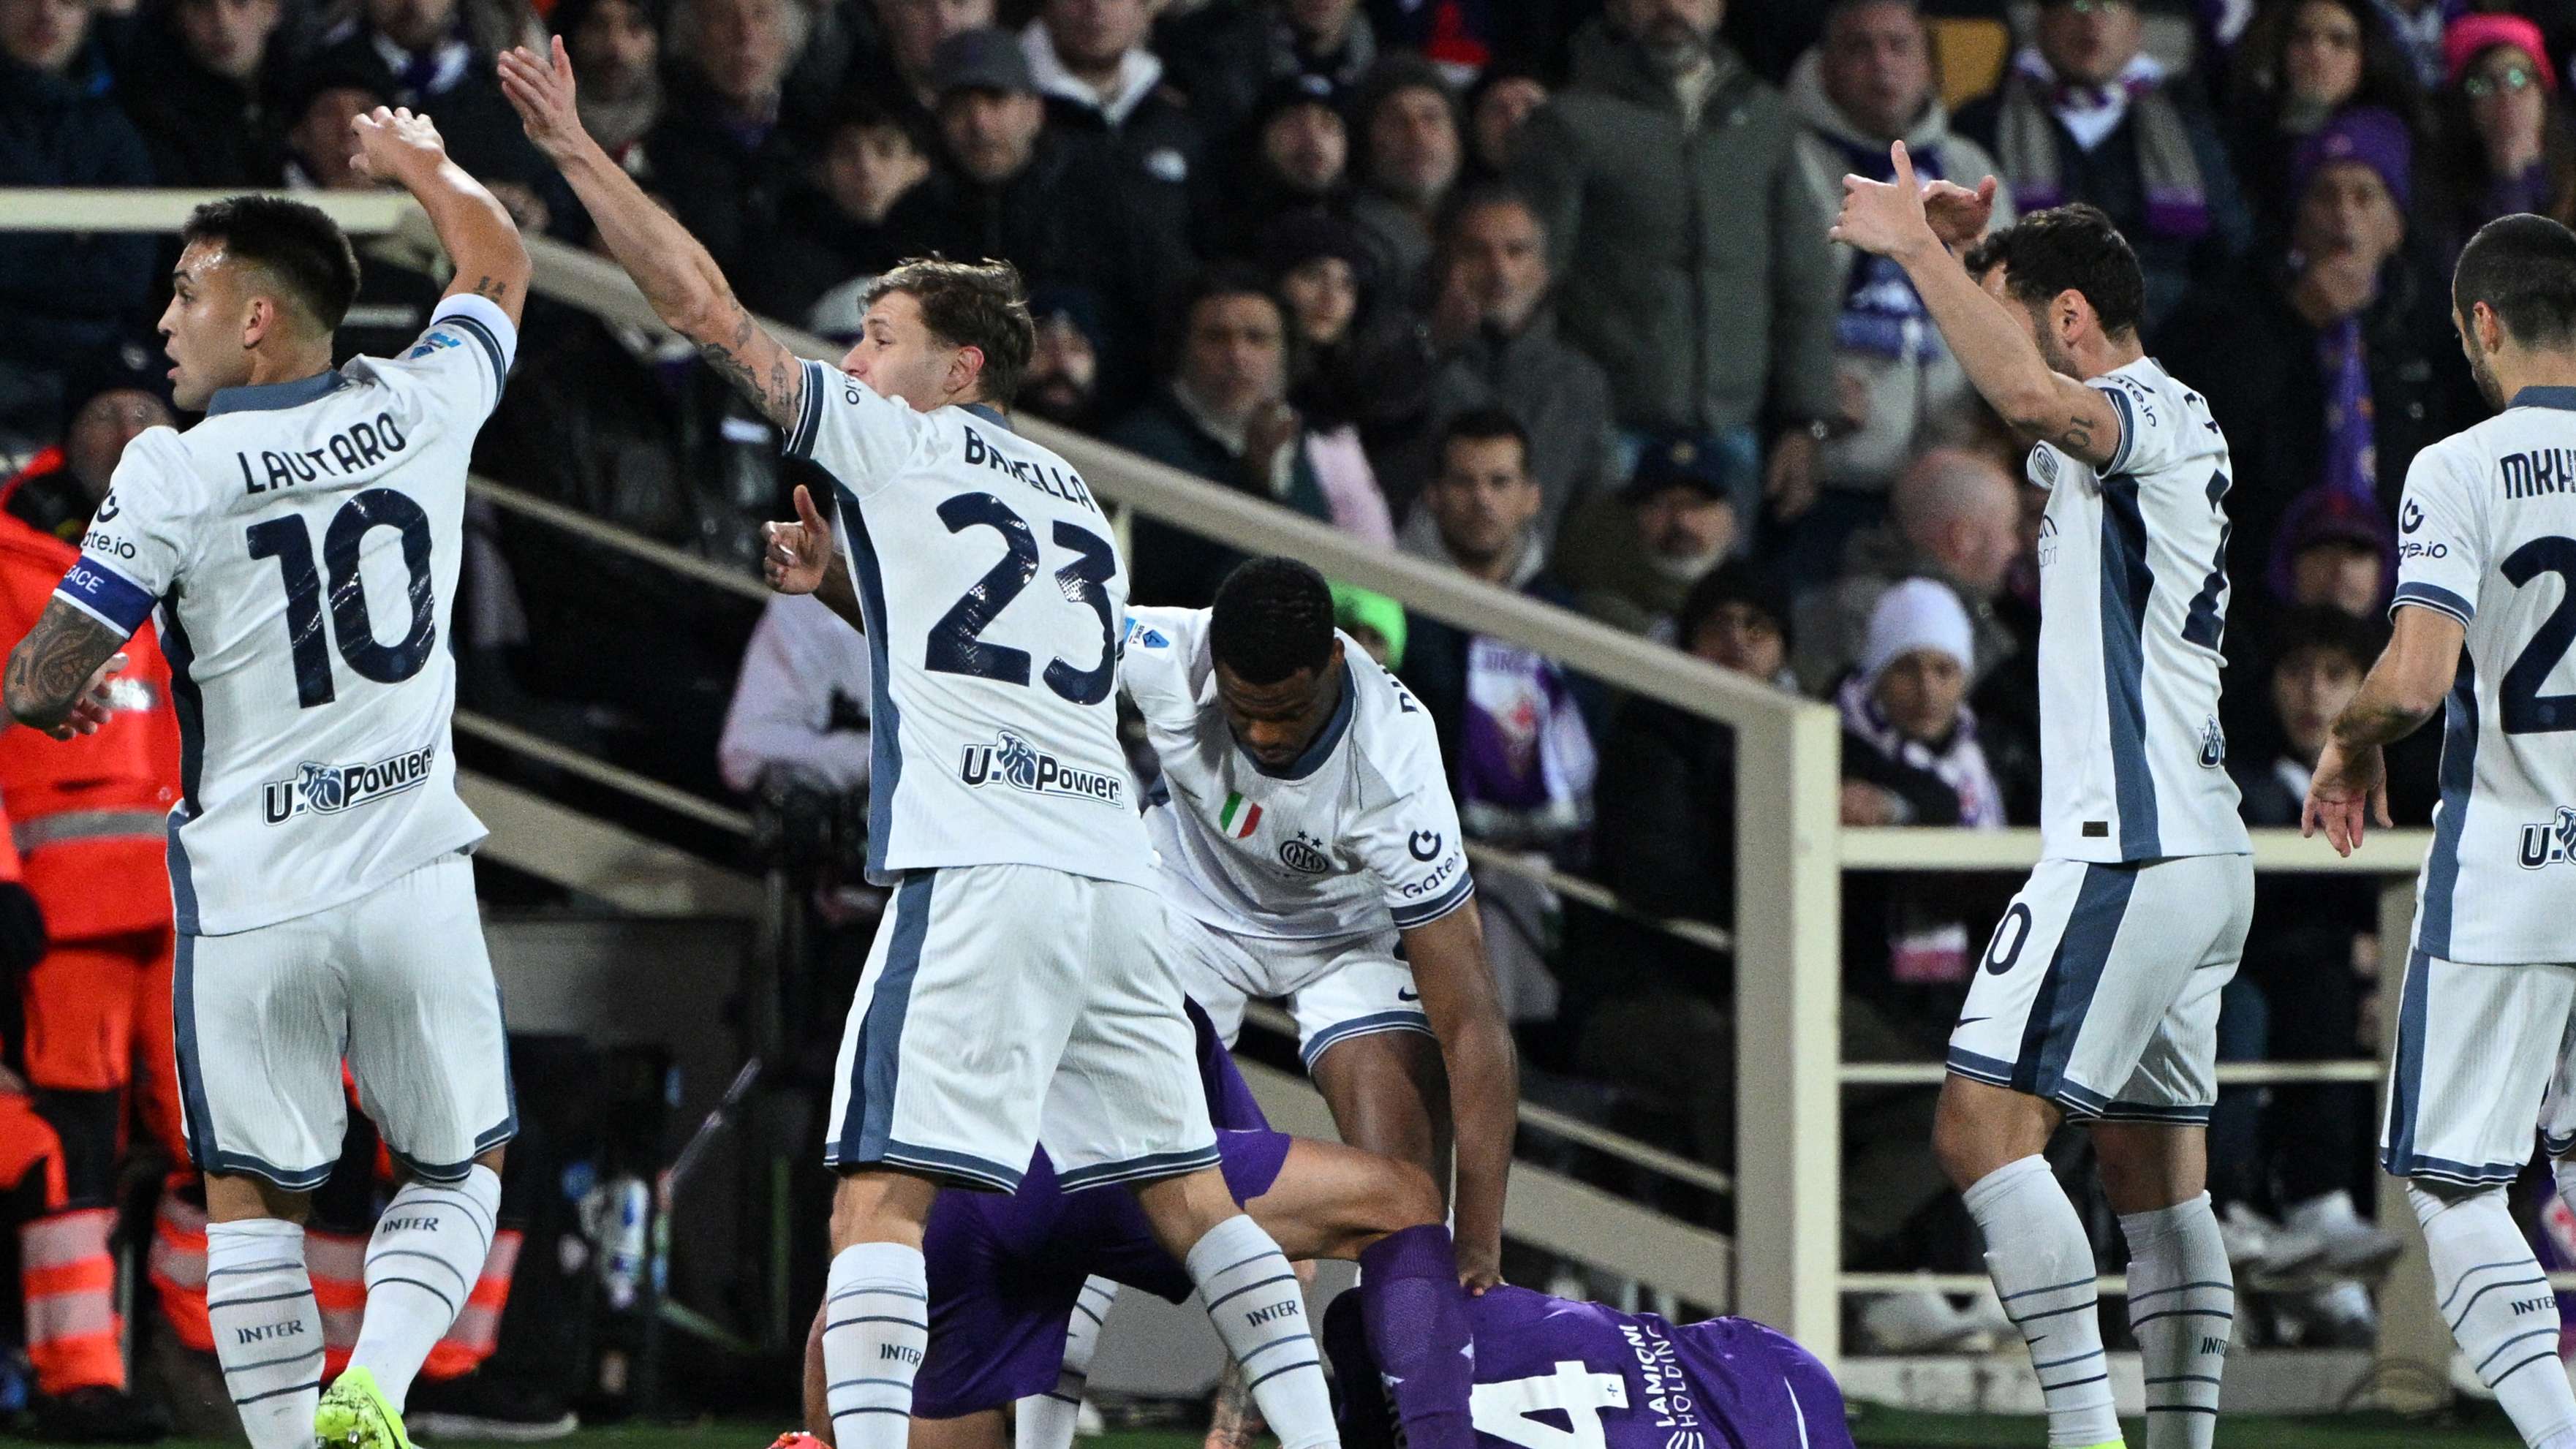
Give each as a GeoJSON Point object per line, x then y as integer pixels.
{"type": "Point", "coordinates": [1916, 614]}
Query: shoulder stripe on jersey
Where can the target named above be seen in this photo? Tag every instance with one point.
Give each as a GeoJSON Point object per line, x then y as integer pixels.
{"type": "Point", "coordinates": [1449, 900]}
{"type": "Point", "coordinates": [885, 747]}
{"type": "Point", "coordinates": [2433, 596]}
{"type": "Point", "coordinates": [491, 344]}
{"type": "Point", "coordinates": [809, 414]}
{"type": "Point", "coordinates": [105, 595]}
{"type": "Point", "coordinates": [2128, 427]}
{"type": "Point", "coordinates": [2458, 772]}
{"type": "Point", "coordinates": [2127, 583]}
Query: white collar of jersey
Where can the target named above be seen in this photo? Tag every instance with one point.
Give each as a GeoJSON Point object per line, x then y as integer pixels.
{"type": "Point", "coordinates": [269, 396]}
{"type": "Point", "coordinates": [1320, 748]}
{"type": "Point", "coordinates": [2563, 398]}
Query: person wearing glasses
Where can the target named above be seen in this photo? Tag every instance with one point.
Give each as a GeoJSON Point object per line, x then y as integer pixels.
{"type": "Point", "coordinates": [2511, 149]}
{"type": "Point", "coordinates": [2084, 114]}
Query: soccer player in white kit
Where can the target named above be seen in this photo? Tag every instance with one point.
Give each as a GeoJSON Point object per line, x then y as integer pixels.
{"type": "Point", "coordinates": [2483, 618]}
{"type": "Point", "coordinates": [302, 544]}
{"type": "Point", "coordinates": [1020, 988]}
{"type": "Point", "coordinates": [1310, 849]}
{"type": "Point", "coordinates": [2097, 998]}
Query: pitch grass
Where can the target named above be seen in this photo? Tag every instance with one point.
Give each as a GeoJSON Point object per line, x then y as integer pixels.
{"type": "Point", "coordinates": [1875, 1429]}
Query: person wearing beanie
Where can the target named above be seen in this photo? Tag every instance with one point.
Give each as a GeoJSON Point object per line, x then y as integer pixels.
{"type": "Point", "coordinates": [1374, 619]}
{"type": "Point", "coordinates": [2507, 143]}
{"type": "Point", "coordinates": [2331, 367]}
{"type": "Point", "coordinates": [108, 397]}
{"type": "Point", "coordinates": [1672, 524]}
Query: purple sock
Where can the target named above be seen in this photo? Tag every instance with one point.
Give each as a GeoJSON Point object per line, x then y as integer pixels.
{"type": "Point", "coordinates": [1417, 1327]}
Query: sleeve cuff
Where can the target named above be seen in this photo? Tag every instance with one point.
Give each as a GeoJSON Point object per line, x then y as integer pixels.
{"type": "Point", "coordinates": [482, 319]}
{"type": "Point", "coordinates": [105, 595]}
{"type": "Point", "coordinates": [2432, 596]}
{"type": "Point", "coordinates": [809, 413]}
{"type": "Point", "coordinates": [2128, 429]}
{"type": "Point", "coordinates": [1423, 913]}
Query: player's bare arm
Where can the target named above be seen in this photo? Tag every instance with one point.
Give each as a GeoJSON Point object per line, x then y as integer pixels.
{"type": "Point", "coordinates": [677, 276]}
{"type": "Point", "coordinates": [1889, 219]}
{"type": "Point", "coordinates": [2350, 787]}
{"type": "Point", "coordinates": [1457, 986]}
{"type": "Point", "coordinates": [58, 674]}
{"type": "Point", "coordinates": [472, 225]}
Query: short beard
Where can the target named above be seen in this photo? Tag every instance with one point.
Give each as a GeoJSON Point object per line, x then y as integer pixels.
{"type": "Point", "coordinates": [2482, 367]}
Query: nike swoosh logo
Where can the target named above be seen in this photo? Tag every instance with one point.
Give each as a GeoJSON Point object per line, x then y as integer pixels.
{"type": "Point", "coordinates": [1973, 1020]}
{"type": "Point", "coordinates": [1403, 995]}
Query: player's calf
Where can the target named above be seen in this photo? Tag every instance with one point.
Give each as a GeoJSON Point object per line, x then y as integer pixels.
{"type": "Point", "coordinates": [2498, 1304]}
{"type": "Point", "coordinates": [422, 1262]}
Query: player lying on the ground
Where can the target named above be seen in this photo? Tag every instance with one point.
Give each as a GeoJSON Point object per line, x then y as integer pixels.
{"type": "Point", "coordinates": [1620, 1380]}
{"type": "Point", "coordinates": [1007, 1273]}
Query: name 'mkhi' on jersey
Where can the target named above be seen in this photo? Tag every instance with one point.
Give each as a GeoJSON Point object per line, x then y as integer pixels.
{"type": "Point", "coordinates": [1359, 829]}
{"type": "Point", "coordinates": [2487, 535]}
{"type": "Point", "coordinates": [2133, 604]}
{"type": "Point", "coordinates": [994, 601]}
{"type": "Point", "coordinates": [303, 544]}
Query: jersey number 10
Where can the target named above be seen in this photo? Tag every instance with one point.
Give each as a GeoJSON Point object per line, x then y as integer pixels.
{"type": "Point", "coordinates": [290, 542]}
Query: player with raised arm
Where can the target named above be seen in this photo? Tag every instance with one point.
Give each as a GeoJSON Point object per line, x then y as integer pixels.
{"type": "Point", "coordinates": [2098, 1000]}
{"type": "Point", "coordinates": [1310, 850]}
{"type": "Point", "coordinates": [1020, 988]}
{"type": "Point", "coordinates": [2483, 618]}
{"type": "Point", "coordinates": [302, 544]}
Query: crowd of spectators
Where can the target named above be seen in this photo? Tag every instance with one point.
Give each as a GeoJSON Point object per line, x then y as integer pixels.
{"type": "Point", "coordinates": [1534, 289]}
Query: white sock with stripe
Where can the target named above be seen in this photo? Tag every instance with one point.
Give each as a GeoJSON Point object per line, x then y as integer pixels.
{"type": "Point", "coordinates": [1259, 1309]}
{"type": "Point", "coordinates": [2499, 1305]}
{"type": "Point", "coordinates": [876, 1325]}
{"type": "Point", "coordinates": [2182, 1306]}
{"type": "Point", "coordinates": [1047, 1421]}
{"type": "Point", "coordinates": [268, 1334]}
{"type": "Point", "coordinates": [2042, 1265]}
{"type": "Point", "coordinates": [428, 1249]}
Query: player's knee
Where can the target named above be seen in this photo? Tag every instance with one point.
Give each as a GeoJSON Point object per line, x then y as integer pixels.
{"type": "Point", "coordinates": [1978, 1128]}
{"type": "Point", "coordinates": [874, 1205]}
{"type": "Point", "coordinates": [1407, 1197]}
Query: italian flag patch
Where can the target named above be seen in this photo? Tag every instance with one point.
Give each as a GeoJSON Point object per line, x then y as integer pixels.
{"type": "Point", "coordinates": [1238, 817]}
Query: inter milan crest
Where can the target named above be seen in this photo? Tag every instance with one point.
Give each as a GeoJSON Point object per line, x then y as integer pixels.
{"type": "Point", "coordinates": [1304, 854]}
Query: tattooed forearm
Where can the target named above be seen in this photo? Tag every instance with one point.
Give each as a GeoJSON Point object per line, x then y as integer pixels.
{"type": "Point", "coordinates": [2079, 433]}
{"type": "Point", "coordinates": [51, 667]}
{"type": "Point", "coordinates": [2367, 721]}
{"type": "Point", "coordinates": [758, 367]}
{"type": "Point", "coordinates": [494, 289]}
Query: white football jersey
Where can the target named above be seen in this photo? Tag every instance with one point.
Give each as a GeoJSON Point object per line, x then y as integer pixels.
{"type": "Point", "coordinates": [2133, 602]}
{"type": "Point", "coordinates": [303, 543]}
{"type": "Point", "coordinates": [1358, 834]}
{"type": "Point", "coordinates": [994, 599]}
{"type": "Point", "coordinates": [2487, 534]}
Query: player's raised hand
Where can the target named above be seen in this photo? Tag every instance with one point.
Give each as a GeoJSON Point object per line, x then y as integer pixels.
{"type": "Point", "coordinates": [1957, 214]}
{"type": "Point", "coordinates": [393, 143]}
{"type": "Point", "coordinates": [1884, 217]}
{"type": "Point", "coordinates": [2348, 792]}
{"type": "Point", "coordinates": [799, 553]}
{"type": "Point", "coordinates": [540, 89]}
{"type": "Point", "coordinates": [91, 711]}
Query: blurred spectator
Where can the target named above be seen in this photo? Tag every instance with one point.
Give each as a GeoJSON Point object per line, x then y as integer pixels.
{"type": "Point", "coordinates": [1091, 64]}
{"type": "Point", "coordinates": [1910, 754]}
{"type": "Point", "coordinates": [1373, 619]}
{"type": "Point", "coordinates": [2419, 25]}
{"type": "Point", "coordinates": [832, 227]}
{"type": "Point", "coordinates": [2301, 63]}
{"type": "Point", "coordinates": [1643, 551]}
{"type": "Point", "coordinates": [1869, 84]}
{"type": "Point", "coordinates": [1062, 384]}
{"type": "Point", "coordinates": [1496, 341]}
{"type": "Point", "coordinates": [394, 299]}
{"type": "Point", "coordinates": [1294, 155]}
{"type": "Point", "coordinates": [1344, 365]}
{"type": "Point", "coordinates": [1687, 249]}
{"type": "Point", "coordinates": [2335, 554]}
{"type": "Point", "coordinates": [2506, 143]}
{"type": "Point", "coordinates": [201, 89]}
{"type": "Point", "coordinates": [2334, 371]}
{"type": "Point", "coordinates": [1410, 154]}
{"type": "Point", "coordinates": [718, 154]}
{"type": "Point", "coordinates": [1513, 723]}
{"type": "Point", "coordinates": [1225, 54]}
{"type": "Point", "coordinates": [1652, 1011]}
{"type": "Point", "coordinates": [61, 294]}
{"type": "Point", "coordinates": [616, 49]}
{"type": "Point", "coordinates": [1223, 415]}
{"type": "Point", "coordinates": [1953, 517]}
{"type": "Point", "coordinates": [438, 56]}
{"type": "Point", "coordinates": [1502, 98]}
{"type": "Point", "coordinates": [896, 63]}
{"type": "Point", "coordinates": [1052, 205]}
{"type": "Point", "coordinates": [107, 399]}
{"type": "Point", "coordinates": [799, 716]}
{"type": "Point", "coordinates": [2085, 115]}
{"type": "Point", "coordinates": [2307, 965]}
